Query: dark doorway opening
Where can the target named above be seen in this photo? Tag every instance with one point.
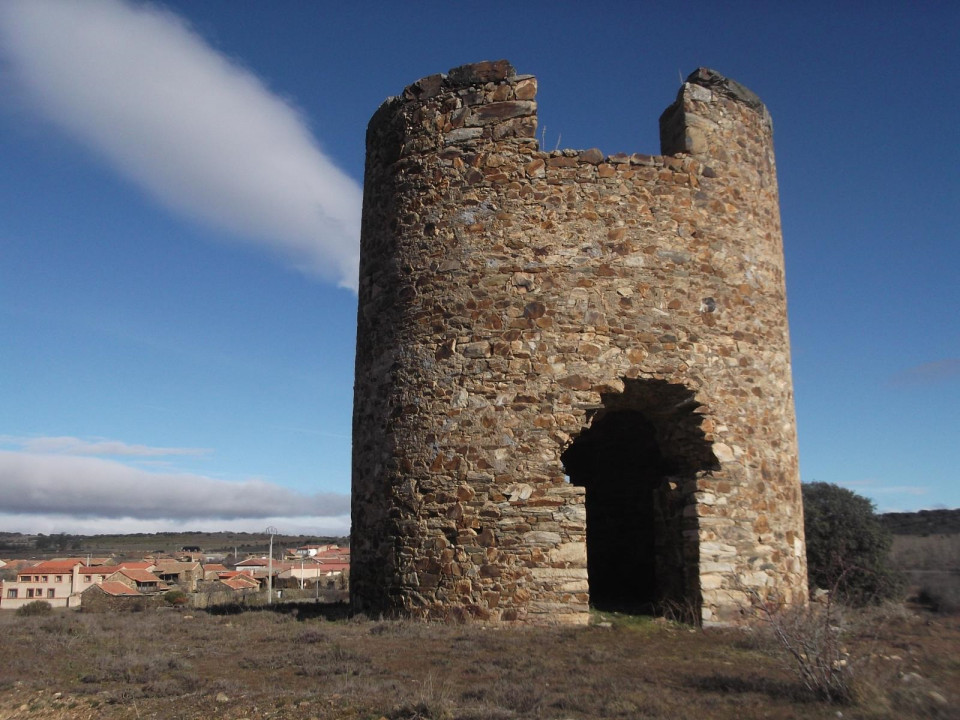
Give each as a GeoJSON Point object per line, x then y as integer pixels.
{"type": "Point", "coordinates": [638, 461]}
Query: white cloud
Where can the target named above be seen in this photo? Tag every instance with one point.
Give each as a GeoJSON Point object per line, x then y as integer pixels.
{"type": "Point", "coordinates": [66, 445]}
{"type": "Point", "coordinates": [200, 134]}
{"type": "Point", "coordinates": [88, 487]}
{"type": "Point", "coordinates": [931, 373]}
{"type": "Point", "coordinates": [900, 490]}
{"type": "Point", "coordinates": [287, 525]}
{"type": "Point", "coordinates": [876, 487]}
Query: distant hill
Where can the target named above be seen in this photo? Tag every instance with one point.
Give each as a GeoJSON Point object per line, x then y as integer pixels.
{"type": "Point", "coordinates": [61, 544]}
{"type": "Point", "coordinates": [924, 522]}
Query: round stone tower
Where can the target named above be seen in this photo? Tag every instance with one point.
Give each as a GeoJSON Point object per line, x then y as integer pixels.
{"type": "Point", "coordinates": [573, 370]}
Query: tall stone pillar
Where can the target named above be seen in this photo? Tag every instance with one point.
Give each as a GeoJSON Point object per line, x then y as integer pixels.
{"type": "Point", "coordinates": [750, 516]}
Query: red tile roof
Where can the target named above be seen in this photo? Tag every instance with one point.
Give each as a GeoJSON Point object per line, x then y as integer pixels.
{"type": "Point", "coordinates": [136, 565]}
{"type": "Point", "coordinates": [334, 551]}
{"type": "Point", "coordinates": [240, 582]}
{"type": "Point", "coordinates": [53, 566]}
{"type": "Point", "coordinates": [16, 565]}
{"type": "Point", "coordinates": [140, 576]}
{"type": "Point", "coordinates": [234, 573]}
{"type": "Point", "coordinates": [175, 565]}
{"type": "Point", "coordinates": [116, 588]}
{"type": "Point", "coordinates": [99, 570]}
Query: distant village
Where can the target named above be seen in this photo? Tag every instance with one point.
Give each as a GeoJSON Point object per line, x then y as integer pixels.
{"type": "Point", "coordinates": [189, 577]}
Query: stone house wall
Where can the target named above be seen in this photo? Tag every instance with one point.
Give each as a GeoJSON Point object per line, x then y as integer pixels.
{"type": "Point", "coordinates": [573, 372]}
{"type": "Point", "coordinates": [96, 600]}
{"type": "Point", "coordinates": [211, 594]}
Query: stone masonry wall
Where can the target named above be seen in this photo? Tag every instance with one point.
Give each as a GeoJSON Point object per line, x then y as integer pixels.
{"type": "Point", "coordinates": [525, 316]}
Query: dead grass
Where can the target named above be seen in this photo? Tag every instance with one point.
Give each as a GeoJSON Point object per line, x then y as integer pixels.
{"type": "Point", "coordinates": [938, 552]}
{"type": "Point", "coordinates": [259, 665]}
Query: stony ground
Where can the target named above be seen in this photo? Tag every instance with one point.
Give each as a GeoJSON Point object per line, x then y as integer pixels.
{"type": "Point", "coordinates": [270, 665]}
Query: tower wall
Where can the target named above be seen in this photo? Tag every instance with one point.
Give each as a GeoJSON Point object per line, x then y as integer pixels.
{"type": "Point", "coordinates": [571, 367]}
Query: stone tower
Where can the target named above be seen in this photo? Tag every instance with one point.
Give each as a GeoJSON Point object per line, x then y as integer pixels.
{"type": "Point", "coordinates": [573, 370]}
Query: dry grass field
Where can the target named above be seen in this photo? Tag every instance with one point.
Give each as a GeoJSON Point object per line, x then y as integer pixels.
{"type": "Point", "coordinates": [931, 564]}
{"type": "Point", "coordinates": [256, 665]}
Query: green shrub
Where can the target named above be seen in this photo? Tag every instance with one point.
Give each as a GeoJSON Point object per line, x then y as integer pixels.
{"type": "Point", "coordinates": [847, 546]}
{"type": "Point", "coordinates": [176, 598]}
{"type": "Point", "coordinates": [37, 607]}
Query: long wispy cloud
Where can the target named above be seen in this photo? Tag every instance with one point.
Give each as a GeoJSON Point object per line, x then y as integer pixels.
{"type": "Point", "coordinates": [92, 487]}
{"type": "Point", "coordinates": [875, 487]}
{"type": "Point", "coordinates": [202, 135]}
{"type": "Point", "coordinates": [67, 445]}
{"type": "Point", "coordinates": [931, 373]}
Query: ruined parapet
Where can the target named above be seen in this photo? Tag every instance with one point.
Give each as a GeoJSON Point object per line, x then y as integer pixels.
{"type": "Point", "coordinates": [570, 362]}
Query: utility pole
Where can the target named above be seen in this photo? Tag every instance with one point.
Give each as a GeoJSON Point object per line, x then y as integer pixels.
{"type": "Point", "coordinates": [272, 531]}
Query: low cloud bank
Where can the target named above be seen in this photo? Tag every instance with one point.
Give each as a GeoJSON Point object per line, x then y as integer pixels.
{"type": "Point", "coordinates": [91, 487]}
{"type": "Point", "coordinates": [99, 446]}
{"type": "Point", "coordinates": [54, 524]}
{"type": "Point", "coordinates": [200, 134]}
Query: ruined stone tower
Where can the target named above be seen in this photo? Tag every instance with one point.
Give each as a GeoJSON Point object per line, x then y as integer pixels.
{"type": "Point", "coordinates": [573, 370]}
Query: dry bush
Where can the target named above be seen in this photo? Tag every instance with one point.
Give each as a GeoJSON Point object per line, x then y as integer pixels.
{"type": "Point", "coordinates": [684, 612]}
{"type": "Point", "coordinates": [811, 641]}
{"type": "Point", "coordinates": [65, 627]}
{"type": "Point", "coordinates": [939, 591]}
{"type": "Point", "coordinates": [329, 658]}
{"type": "Point", "coordinates": [883, 692]}
{"type": "Point", "coordinates": [836, 652]}
{"type": "Point", "coordinates": [434, 701]}
{"type": "Point", "coordinates": [926, 552]}
{"type": "Point", "coordinates": [134, 667]}
{"type": "Point", "coordinates": [35, 608]}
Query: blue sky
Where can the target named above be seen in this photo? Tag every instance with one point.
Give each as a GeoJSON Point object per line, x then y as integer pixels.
{"type": "Point", "coordinates": [179, 214]}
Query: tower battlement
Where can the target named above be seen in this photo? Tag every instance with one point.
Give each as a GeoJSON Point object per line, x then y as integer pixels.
{"type": "Point", "coordinates": [573, 371]}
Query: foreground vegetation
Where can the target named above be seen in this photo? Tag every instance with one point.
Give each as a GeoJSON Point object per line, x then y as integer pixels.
{"type": "Point", "coordinates": [848, 547]}
{"type": "Point", "coordinates": [255, 665]}
{"type": "Point", "coordinates": [312, 661]}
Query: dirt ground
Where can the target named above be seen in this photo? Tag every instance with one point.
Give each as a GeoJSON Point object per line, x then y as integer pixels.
{"type": "Point", "coordinates": [257, 665]}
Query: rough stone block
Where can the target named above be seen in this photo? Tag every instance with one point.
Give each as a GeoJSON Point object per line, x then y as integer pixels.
{"type": "Point", "coordinates": [574, 552]}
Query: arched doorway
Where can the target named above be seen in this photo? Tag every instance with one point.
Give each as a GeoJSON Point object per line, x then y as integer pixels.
{"type": "Point", "coordinates": [638, 461]}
